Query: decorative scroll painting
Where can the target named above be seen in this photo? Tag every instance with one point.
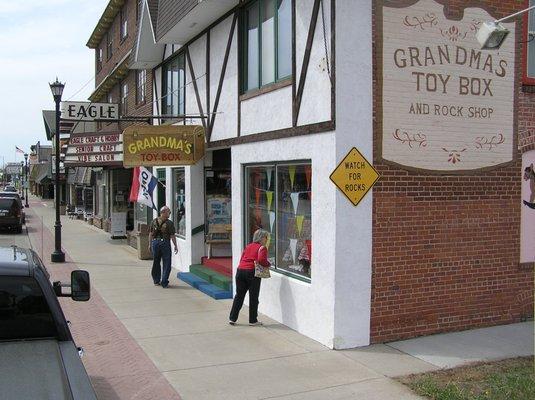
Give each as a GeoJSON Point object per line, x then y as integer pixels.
{"type": "Point", "coordinates": [527, 224]}
{"type": "Point", "coordinates": [447, 104]}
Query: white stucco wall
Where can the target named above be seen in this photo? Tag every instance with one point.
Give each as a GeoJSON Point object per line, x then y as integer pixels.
{"type": "Point", "coordinates": [268, 112]}
{"type": "Point", "coordinates": [305, 307]}
{"type": "Point", "coordinates": [354, 127]}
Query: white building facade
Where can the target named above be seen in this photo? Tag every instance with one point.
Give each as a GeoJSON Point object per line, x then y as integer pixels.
{"type": "Point", "coordinates": [284, 91]}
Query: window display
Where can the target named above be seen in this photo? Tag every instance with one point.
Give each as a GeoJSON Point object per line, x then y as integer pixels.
{"type": "Point", "coordinates": [279, 201]}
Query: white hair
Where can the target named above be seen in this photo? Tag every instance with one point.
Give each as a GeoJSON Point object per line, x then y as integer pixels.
{"type": "Point", "coordinates": [259, 235]}
{"type": "Point", "coordinates": [164, 208]}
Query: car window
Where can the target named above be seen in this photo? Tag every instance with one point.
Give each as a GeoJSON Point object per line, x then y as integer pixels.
{"type": "Point", "coordinates": [7, 204]}
{"type": "Point", "coordinates": [24, 312]}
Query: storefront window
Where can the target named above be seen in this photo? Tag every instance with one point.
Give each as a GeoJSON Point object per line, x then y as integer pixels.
{"type": "Point", "coordinates": [279, 201]}
{"type": "Point", "coordinates": [179, 201]}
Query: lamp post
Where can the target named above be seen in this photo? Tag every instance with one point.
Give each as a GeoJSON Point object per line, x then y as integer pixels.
{"type": "Point", "coordinates": [21, 180]}
{"type": "Point", "coordinates": [26, 179]}
{"type": "Point", "coordinates": [58, 255]}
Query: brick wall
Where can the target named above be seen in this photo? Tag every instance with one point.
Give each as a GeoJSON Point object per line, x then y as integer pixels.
{"type": "Point", "coordinates": [446, 248]}
{"type": "Point", "coordinates": [120, 47]}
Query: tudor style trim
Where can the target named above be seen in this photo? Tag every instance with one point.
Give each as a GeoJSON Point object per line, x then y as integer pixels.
{"type": "Point", "coordinates": [222, 77]}
{"type": "Point", "coordinates": [195, 87]}
{"type": "Point", "coordinates": [306, 60]}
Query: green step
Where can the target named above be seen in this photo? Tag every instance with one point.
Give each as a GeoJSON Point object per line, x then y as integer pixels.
{"type": "Point", "coordinates": [211, 276]}
{"type": "Point", "coordinates": [222, 281]}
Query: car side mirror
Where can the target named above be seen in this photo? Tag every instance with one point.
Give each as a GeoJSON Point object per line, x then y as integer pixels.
{"type": "Point", "coordinates": [80, 286]}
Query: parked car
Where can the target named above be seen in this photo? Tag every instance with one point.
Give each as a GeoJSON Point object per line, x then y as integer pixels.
{"type": "Point", "coordinates": [15, 195]}
{"type": "Point", "coordinates": [10, 188]}
{"type": "Point", "coordinates": [11, 214]}
{"type": "Point", "coordinates": [38, 356]}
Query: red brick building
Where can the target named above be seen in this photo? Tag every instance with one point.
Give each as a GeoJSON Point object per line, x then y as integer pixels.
{"type": "Point", "coordinates": [446, 246]}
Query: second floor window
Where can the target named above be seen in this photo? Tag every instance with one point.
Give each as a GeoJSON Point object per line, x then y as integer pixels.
{"type": "Point", "coordinates": [109, 44]}
{"type": "Point", "coordinates": [266, 28]}
{"type": "Point", "coordinates": [98, 56]}
{"type": "Point", "coordinates": [173, 82]}
{"type": "Point", "coordinates": [141, 83]}
{"type": "Point", "coordinates": [124, 99]}
{"type": "Point", "coordinates": [124, 22]}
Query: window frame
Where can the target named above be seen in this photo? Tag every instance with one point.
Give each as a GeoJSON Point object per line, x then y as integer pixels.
{"type": "Point", "coordinates": [124, 98]}
{"type": "Point", "coordinates": [99, 55]}
{"type": "Point", "coordinates": [245, 221]}
{"type": "Point", "coordinates": [124, 22]}
{"type": "Point", "coordinates": [182, 91]}
{"type": "Point", "coordinates": [109, 44]}
{"type": "Point", "coordinates": [142, 101]}
{"type": "Point", "coordinates": [174, 171]}
{"type": "Point", "coordinates": [243, 48]}
{"type": "Point", "coordinates": [526, 79]}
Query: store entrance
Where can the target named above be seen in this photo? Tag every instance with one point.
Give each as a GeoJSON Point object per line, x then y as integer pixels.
{"type": "Point", "coordinates": [218, 206]}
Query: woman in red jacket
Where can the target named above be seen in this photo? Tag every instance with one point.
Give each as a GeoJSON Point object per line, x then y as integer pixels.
{"type": "Point", "coordinates": [245, 279]}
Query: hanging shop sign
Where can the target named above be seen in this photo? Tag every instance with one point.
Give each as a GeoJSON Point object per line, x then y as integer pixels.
{"type": "Point", "coordinates": [94, 149]}
{"type": "Point", "coordinates": [87, 111]}
{"type": "Point", "coordinates": [162, 145]}
{"type": "Point", "coordinates": [354, 176]}
{"type": "Point", "coordinates": [447, 105]}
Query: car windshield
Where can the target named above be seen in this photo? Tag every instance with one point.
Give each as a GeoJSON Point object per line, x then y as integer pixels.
{"type": "Point", "coordinates": [24, 312]}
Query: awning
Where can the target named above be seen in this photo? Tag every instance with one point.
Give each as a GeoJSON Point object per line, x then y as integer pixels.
{"type": "Point", "coordinates": [43, 174]}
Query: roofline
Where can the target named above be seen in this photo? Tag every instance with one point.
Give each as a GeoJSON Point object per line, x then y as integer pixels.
{"type": "Point", "coordinates": [104, 23]}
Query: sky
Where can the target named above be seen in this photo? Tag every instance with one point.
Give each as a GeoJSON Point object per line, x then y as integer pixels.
{"type": "Point", "coordinates": [39, 40]}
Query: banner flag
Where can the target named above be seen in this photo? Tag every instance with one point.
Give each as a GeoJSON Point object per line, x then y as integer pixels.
{"type": "Point", "coordinates": [143, 184]}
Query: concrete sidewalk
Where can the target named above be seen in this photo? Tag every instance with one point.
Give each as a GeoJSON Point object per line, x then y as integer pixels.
{"type": "Point", "coordinates": [186, 336]}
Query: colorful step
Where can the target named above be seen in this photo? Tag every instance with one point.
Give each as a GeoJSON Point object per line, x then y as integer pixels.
{"type": "Point", "coordinates": [223, 265]}
{"type": "Point", "coordinates": [211, 276]}
{"type": "Point", "coordinates": [204, 286]}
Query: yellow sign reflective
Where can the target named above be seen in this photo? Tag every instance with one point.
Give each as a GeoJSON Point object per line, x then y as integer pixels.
{"type": "Point", "coordinates": [354, 176]}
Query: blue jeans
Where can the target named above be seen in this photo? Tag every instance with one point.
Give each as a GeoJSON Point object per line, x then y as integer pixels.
{"type": "Point", "coordinates": [161, 251]}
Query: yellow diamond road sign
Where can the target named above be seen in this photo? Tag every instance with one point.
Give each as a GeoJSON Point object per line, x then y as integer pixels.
{"type": "Point", "coordinates": [354, 176]}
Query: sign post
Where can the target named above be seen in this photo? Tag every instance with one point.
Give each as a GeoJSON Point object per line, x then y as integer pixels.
{"type": "Point", "coordinates": [354, 176]}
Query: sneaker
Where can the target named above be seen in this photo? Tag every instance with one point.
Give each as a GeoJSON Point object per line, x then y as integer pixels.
{"type": "Point", "coordinates": [165, 286]}
{"type": "Point", "coordinates": [257, 323]}
{"type": "Point", "coordinates": [156, 283]}
{"type": "Point", "coordinates": [232, 322]}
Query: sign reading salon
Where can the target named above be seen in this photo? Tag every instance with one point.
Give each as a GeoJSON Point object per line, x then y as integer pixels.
{"type": "Point", "coordinates": [447, 105]}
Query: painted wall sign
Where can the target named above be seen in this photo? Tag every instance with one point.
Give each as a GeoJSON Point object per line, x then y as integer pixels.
{"type": "Point", "coordinates": [87, 111]}
{"type": "Point", "coordinates": [163, 145]}
{"type": "Point", "coordinates": [94, 149]}
{"type": "Point", "coordinates": [354, 176]}
{"type": "Point", "coordinates": [527, 216]}
{"type": "Point", "coordinates": [446, 104]}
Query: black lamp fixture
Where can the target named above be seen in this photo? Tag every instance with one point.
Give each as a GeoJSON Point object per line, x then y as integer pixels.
{"type": "Point", "coordinates": [21, 180]}
{"type": "Point", "coordinates": [57, 256]}
{"type": "Point", "coordinates": [26, 179]}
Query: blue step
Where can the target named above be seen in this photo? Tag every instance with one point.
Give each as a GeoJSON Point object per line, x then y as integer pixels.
{"type": "Point", "coordinates": [204, 286]}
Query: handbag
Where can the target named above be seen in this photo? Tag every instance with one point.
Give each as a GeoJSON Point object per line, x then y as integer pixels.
{"type": "Point", "coordinates": [259, 270]}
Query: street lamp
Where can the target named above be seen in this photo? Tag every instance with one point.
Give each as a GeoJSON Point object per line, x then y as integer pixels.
{"type": "Point", "coordinates": [21, 180]}
{"type": "Point", "coordinates": [492, 34]}
{"type": "Point", "coordinates": [58, 255]}
{"type": "Point", "coordinates": [26, 179]}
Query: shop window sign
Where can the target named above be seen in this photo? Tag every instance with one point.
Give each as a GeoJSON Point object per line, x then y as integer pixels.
{"type": "Point", "coordinates": [278, 200]}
